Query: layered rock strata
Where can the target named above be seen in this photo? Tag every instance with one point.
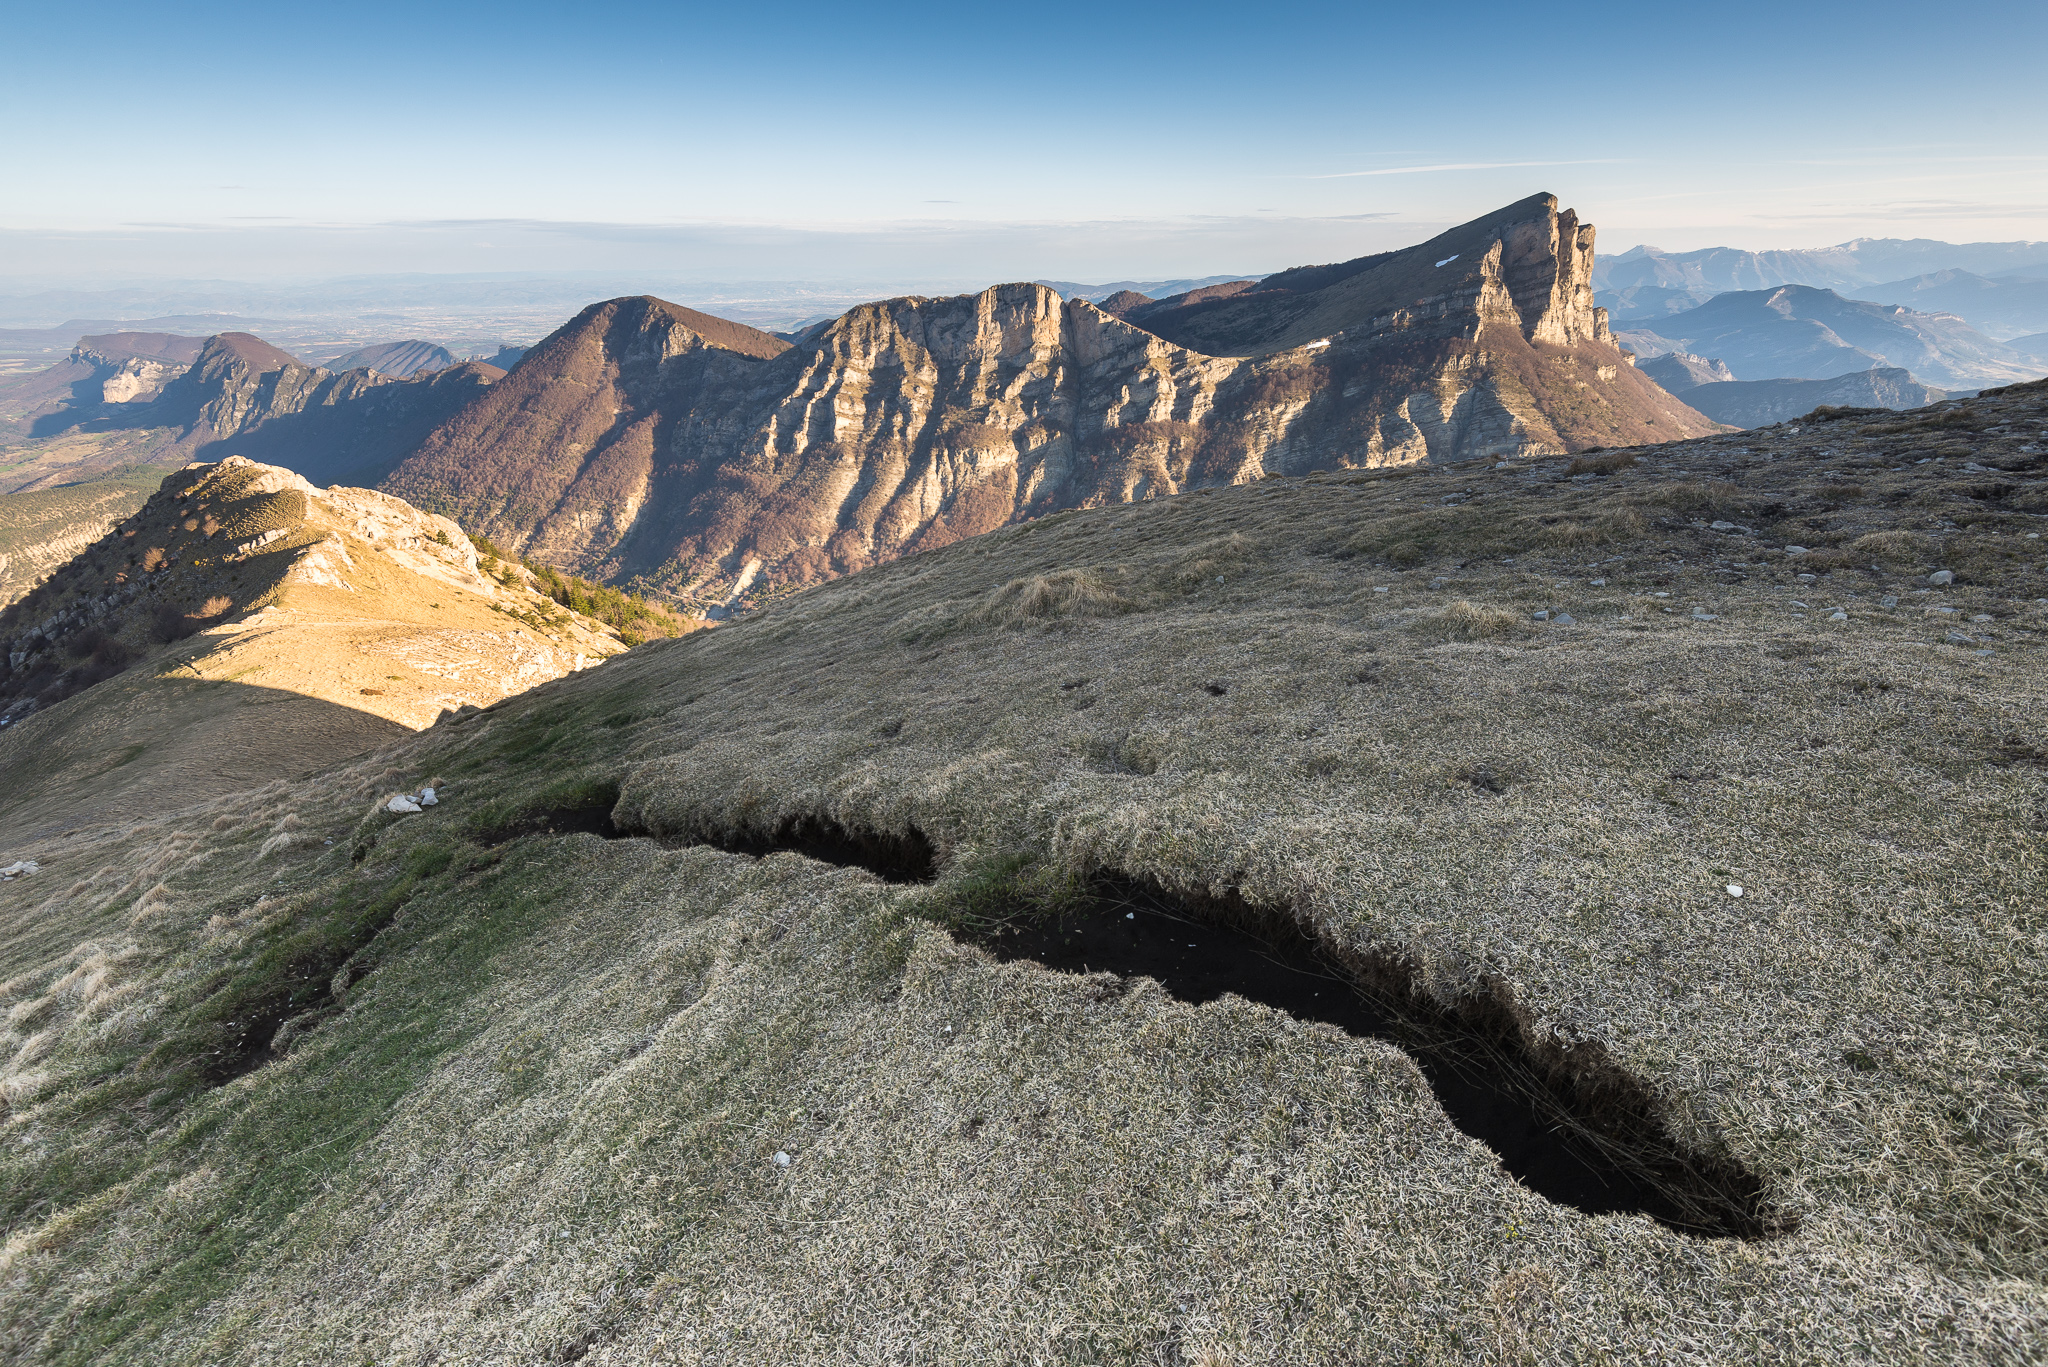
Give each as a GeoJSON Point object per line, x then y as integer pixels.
{"type": "Point", "coordinates": [646, 440]}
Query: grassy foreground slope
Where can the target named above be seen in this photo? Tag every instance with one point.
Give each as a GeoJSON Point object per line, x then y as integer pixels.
{"type": "Point", "coordinates": [484, 1084]}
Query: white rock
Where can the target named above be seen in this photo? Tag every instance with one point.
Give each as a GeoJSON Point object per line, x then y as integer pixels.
{"type": "Point", "coordinates": [1564, 619]}
{"type": "Point", "coordinates": [781, 1159]}
{"type": "Point", "coordinates": [1795, 550]}
{"type": "Point", "coordinates": [1735, 889]}
{"type": "Point", "coordinates": [1838, 617]}
{"type": "Point", "coordinates": [1599, 583]}
{"type": "Point", "coordinates": [401, 803]}
{"type": "Point", "coordinates": [427, 798]}
{"type": "Point", "coordinates": [1942, 577]}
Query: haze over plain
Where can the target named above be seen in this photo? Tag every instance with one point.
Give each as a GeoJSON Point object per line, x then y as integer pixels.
{"type": "Point", "coordinates": [946, 148]}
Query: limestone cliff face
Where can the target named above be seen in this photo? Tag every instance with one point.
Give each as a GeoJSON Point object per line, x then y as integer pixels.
{"type": "Point", "coordinates": [647, 441]}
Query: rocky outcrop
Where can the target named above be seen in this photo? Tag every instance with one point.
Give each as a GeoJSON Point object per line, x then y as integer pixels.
{"type": "Point", "coordinates": [648, 441]}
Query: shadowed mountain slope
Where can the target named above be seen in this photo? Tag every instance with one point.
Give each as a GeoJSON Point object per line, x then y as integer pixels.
{"type": "Point", "coordinates": [1201, 931]}
{"type": "Point", "coordinates": [646, 440]}
{"type": "Point", "coordinates": [399, 360]}
{"type": "Point", "coordinates": [1756, 403]}
{"type": "Point", "coordinates": [1681, 372]}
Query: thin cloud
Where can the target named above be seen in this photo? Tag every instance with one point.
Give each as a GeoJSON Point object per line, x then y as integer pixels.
{"type": "Point", "coordinates": [1459, 166]}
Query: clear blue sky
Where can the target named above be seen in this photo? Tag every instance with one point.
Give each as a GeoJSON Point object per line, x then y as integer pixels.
{"type": "Point", "coordinates": [1084, 141]}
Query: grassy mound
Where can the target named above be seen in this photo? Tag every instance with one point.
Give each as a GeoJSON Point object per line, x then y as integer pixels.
{"type": "Point", "coordinates": [675, 1032]}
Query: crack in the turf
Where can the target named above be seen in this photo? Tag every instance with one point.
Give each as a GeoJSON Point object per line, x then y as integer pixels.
{"type": "Point", "coordinates": [1573, 1126]}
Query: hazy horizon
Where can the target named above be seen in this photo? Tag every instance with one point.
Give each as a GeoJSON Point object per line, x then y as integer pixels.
{"type": "Point", "coordinates": [819, 143]}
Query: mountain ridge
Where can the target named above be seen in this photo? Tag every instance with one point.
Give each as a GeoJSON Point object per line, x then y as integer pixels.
{"type": "Point", "coordinates": [705, 460]}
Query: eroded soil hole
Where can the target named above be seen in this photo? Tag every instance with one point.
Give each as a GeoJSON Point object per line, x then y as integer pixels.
{"type": "Point", "coordinates": [906, 857]}
{"type": "Point", "coordinates": [1578, 1130]}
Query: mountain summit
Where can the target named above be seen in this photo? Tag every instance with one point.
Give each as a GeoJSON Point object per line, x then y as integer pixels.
{"type": "Point", "coordinates": [644, 439]}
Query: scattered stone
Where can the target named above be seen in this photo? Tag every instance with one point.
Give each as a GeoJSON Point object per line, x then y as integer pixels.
{"type": "Point", "coordinates": [1564, 619]}
{"type": "Point", "coordinates": [1942, 577]}
{"type": "Point", "coordinates": [1699, 616]}
{"type": "Point", "coordinates": [1795, 550]}
{"type": "Point", "coordinates": [1981, 617]}
{"type": "Point", "coordinates": [781, 1159]}
{"type": "Point", "coordinates": [1438, 583]}
{"type": "Point", "coordinates": [1797, 604]}
{"type": "Point", "coordinates": [1890, 600]}
{"type": "Point", "coordinates": [1809, 579]}
{"type": "Point", "coordinates": [1735, 889]}
{"type": "Point", "coordinates": [1599, 583]}
{"type": "Point", "coordinates": [20, 867]}
{"type": "Point", "coordinates": [1543, 615]}
{"type": "Point", "coordinates": [1956, 638]}
{"type": "Point", "coordinates": [401, 803]}
{"type": "Point", "coordinates": [427, 798]}
{"type": "Point", "coordinates": [1377, 588]}
{"type": "Point", "coordinates": [1721, 526]}
{"type": "Point", "coordinates": [1838, 617]}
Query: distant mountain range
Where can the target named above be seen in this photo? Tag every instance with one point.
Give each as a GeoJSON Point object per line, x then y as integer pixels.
{"type": "Point", "coordinates": [1153, 289]}
{"type": "Point", "coordinates": [230, 394]}
{"type": "Point", "coordinates": [1800, 332]}
{"type": "Point", "coordinates": [2000, 288]}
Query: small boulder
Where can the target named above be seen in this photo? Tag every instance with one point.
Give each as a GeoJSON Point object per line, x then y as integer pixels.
{"type": "Point", "coordinates": [401, 804]}
{"type": "Point", "coordinates": [1942, 577]}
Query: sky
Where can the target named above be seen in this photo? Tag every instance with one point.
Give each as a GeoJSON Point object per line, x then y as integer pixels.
{"type": "Point", "coordinates": [966, 141]}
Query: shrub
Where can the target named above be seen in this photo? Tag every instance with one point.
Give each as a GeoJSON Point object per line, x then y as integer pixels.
{"type": "Point", "coordinates": [167, 623]}
{"type": "Point", "coordinates": [635, 618]}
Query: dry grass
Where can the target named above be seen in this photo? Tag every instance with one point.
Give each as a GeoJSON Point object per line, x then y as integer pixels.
{"type": "Point", "coordinates": [1601, 463]}
{"type": "Point", "coordinates": [1468, 621]}
{"type": "Point", "coordinates": [539, 1118]}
